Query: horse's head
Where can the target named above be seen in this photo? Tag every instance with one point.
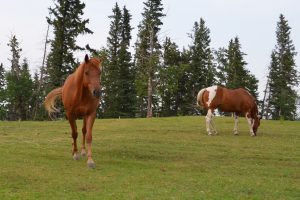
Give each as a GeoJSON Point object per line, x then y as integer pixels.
{"type": "Point", "coordinates": [91, 75]}
{"type": "Point", "coordinates": [256, 123]}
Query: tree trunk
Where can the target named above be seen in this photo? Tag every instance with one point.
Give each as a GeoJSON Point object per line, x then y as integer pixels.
{"type": "Point", "coordinates": [150, 92]}
{"type": "Point", "coordinates": [37, 102]}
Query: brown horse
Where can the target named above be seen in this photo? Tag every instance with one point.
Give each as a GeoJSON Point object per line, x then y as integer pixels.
{"type": "Point", "coordinates": [236, 101]}
{"type": "Point", "coordinates": [80, 95]}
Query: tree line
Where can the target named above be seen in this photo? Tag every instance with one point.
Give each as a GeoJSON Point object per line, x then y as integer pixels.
{"type": "Point", "coordinates": [156, 79]}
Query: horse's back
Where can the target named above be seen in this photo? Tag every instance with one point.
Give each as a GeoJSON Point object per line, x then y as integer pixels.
{"type": "Point", "coordinates": [236, 100]}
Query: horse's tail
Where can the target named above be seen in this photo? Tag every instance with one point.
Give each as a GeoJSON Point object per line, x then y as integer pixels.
{"type": "Point", "coordinates": [199, 97]}
{"type": "Point", "coordinates": [50, 100]}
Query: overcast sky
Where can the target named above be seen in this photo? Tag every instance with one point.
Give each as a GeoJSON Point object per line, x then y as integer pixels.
{"type": "Point", "coordinates": [253, 21]}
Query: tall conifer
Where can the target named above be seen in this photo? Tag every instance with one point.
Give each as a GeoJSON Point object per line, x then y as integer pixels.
{"type": "Point", "coordinates": [283, 75]}
{"type": "Point", "coordinates": [148, 53]}
{"type": "Point", "coordinates": [67, 23]}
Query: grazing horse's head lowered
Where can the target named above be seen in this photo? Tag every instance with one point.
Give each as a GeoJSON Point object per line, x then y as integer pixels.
{"type": "Point", "coordinates": [227, 100]}
{"type": "Point", "coordinates": [80, 95]}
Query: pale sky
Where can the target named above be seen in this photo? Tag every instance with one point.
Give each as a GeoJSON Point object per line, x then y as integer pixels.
{"type": "Point", "coordinates": [253, 21]}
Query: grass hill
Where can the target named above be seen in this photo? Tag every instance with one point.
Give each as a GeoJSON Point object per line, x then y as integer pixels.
{"type": "Point", "coordinates": [158, 158]}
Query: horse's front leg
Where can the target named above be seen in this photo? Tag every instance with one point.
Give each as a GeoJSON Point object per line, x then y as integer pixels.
{"type": "Point", "coordinates": [236, 120]}
{"type": "Point", "coordinates": [250, 123]}
{"type": "Point", "coordinates": [74, 136]}
{"type": "Point", "coordinates": [83, 152]}
{"type": "Point", "coordinates": [90, 119]}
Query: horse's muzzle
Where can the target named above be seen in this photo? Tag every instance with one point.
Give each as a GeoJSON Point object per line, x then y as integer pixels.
{"type": "Point", "coordinates": [97, 93]}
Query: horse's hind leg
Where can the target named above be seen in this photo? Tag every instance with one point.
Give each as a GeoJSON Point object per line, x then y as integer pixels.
{"type": "Point", "coordinates": [83, 152]}
{"type": "Point", "coordinates": [208, 119]}
{"type": "Point", "coordinates": [236, 120]}
{"type": "Point", "coordinates": [74, 136]}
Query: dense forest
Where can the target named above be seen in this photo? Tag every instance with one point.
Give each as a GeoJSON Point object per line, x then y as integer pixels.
{"type": "Point", "coordinates": [156, 78]}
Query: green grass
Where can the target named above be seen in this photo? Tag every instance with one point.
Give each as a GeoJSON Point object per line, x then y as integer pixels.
{"type": "Point", "coordinates": [159, 158]}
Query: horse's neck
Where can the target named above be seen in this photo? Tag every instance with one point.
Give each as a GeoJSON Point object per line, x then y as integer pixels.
{"type": "Point", "coordinates": [79, 81]}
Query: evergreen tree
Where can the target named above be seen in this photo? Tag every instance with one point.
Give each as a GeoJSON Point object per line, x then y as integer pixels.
{"type": "Point", "coordinates": [26, 91]}
{"type": "Point", "coordinates": [236, 73]}
{"type": "Point", "coordinates": [184, 85]}
{"type": "Point", "coordinates": [2, 93]}
{"type": "Point", "coordinates": [111, 73]}
{"type": "Point", "coordinates": [148, 53]}
{"type": "Point", "coordinates": [118, 80]}
{"type": "Point", "coordinates": [202, 71]}
{"type": "Point", "coordinates": [283, 74]}
{"type": "Point", "coordinates": [170, 75]}
{"type": "Point", "coordinates": [19, 85]}
{"type": "Point", "coordinates": [68, 24]}
{"type": "Point", "coordinates": [221, 64]}
{"type": "Point", "coordinates": [13, 81]}
{"type": "Point", "coordinates": [127, 70]}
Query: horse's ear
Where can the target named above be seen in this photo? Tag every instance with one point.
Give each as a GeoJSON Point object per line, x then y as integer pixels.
{"type": "Point", "coordinates": [86, 58]}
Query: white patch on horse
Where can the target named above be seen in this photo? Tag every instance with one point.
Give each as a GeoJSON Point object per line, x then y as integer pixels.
{"type": "Point", "coordinates": [212, 93]}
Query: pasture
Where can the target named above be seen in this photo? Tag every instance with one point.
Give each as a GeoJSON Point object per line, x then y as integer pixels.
{"type": "Point", "coordinates": [158, 158]}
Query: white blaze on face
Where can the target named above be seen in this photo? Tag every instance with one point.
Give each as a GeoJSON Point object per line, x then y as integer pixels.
{"type": "Point", "coordinates": [212, 93]}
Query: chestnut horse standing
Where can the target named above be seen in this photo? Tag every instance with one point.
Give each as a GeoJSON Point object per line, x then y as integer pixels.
{"type": "Point", "coordinates": [227, 100]}
{"type": "Point", "coordinates": [80, 95]}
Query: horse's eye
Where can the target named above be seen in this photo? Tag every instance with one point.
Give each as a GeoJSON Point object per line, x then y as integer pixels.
{"type": "Point", "coordinates": [86, 73]}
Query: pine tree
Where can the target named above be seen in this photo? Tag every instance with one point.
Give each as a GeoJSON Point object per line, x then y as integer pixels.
{"type": "Point", "coordinates": [283, 74]}
{"type": "Point", "coordinates": [148, 53]}
{"type": "Point", "coordinates": [202, 71]}
{"type": "Point", "coordinates": [68, 24]}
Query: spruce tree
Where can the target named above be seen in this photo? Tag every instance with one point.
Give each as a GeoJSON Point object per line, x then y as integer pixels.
{"type": "Point", "coordinates": [67, 23]}
{"type": "Point", "coordinates": [170, 75]}
{"type": "Point", "coordinates": [221, 64]}
{"type": "Point", "coordinates": [118, 77]}
{"type": "Point", "coordinates": [148, 53]}
{"type": "Point", "coordinates": [19, 85]}
{"type": "Point", "coordinates": [110, 76]}
{"type": "Point", "coordinates": [202, 71]}
{"type": "Point", "coordinates": [26, 91]}
{"type": "Point", "coordinates": [283, 74]}
{"type": "Point", "coordinates": [127, 71]}
{"type": "Point", "coordinates": [236, 73]}
{"type": "Point", "coordinates": [13, 81]}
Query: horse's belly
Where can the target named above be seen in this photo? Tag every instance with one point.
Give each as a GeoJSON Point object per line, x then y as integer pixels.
{"type": "Point", "coordinates": [229, 108]}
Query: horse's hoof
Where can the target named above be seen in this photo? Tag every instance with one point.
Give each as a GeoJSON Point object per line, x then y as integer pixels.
{"type": "Point", "coordinates": [235, 133]}
{"type": "Point", "coordinates": [91, 164]}
{"type": "Point", "coordinates": [83, 153]}
{"type": "Point", "coordinates": [76, 156]}
{"type": "Point", "coordinates": [210, 134]}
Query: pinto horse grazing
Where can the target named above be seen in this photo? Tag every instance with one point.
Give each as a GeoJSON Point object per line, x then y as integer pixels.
{"type": "Point", "coordinates": [80, 95]}
{"type": "Point", "coordinates": [237, 101]}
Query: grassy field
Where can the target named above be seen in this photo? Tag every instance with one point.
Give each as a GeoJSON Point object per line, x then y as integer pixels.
{"type": "Point", "coordinates": [159, 158]}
